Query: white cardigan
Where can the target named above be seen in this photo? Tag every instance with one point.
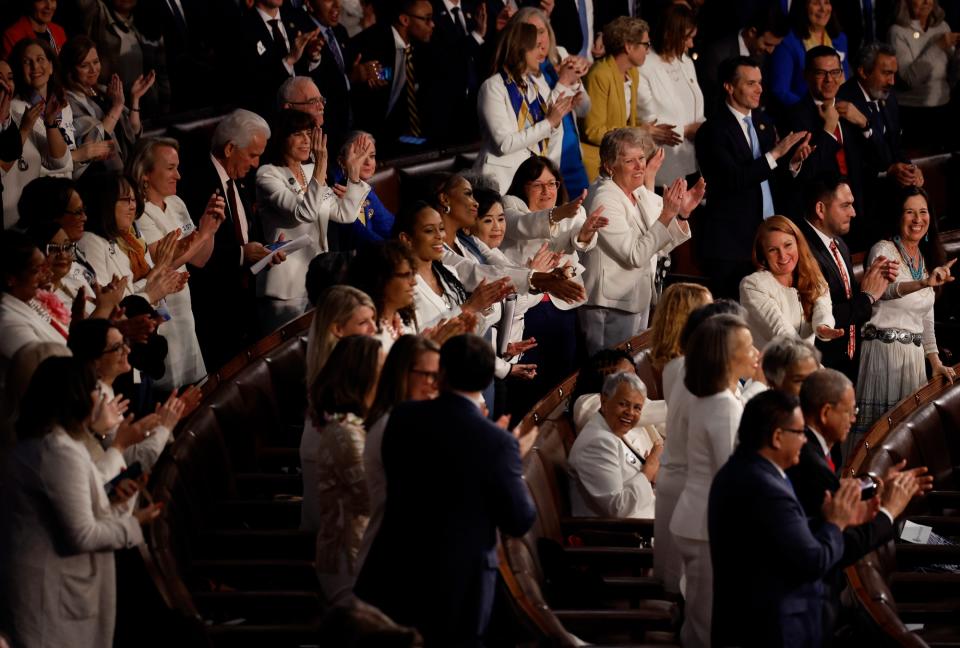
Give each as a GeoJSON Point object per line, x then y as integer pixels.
{"type": "Point", "coordinates": [620, 269]}
{"type": "Point", "coordinates": [678, 102]}
{"type": "Point", "coordinates": [284, 208]}
{"type": "Point", "coordinates": [773, 309]}
{"type": "Point", "coordinates": [606, 476]}
{"type": "Point", "coordinates": [503, 148]}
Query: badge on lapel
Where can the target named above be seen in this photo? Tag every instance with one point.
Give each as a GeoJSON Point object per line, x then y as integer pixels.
{"type": "Point", "coordinates": [260, 48]}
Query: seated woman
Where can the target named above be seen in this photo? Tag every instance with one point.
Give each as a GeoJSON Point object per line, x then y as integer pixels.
{"type": "Point", "coordinates": [336, 503]}
{"type": "Point", "coordinates": [586, 394]}
{"type": "Point", "coordinates": [100, 344]}
{"type": "Point", "coordinates": [787, 295]}
{"type": "Point", "coordinates": [519, 115]}
{"type": "Point", "coordinates": [45, 120]}
{"type": "Point", "coordinates": [341, 311]}
{"type": "Point", "coordinates": [154, 168]}
{"type": "Point", "coordinates": [900, 334]}
{"type": "Point", "coordinates": [36, 21]}
{"type": "Point", "coordinates": [100, 113]}
{"type": "Point", "coordinates": [812, 23]}
{"type": "Point", "coordinates": [642, 226]}
{"type": "Point", "coordinates": [927, 51]}
{"type": "Point", "coordinates": [611, 477]}
{"type": "Point", "coordinates": [57, 570]}
{"type": "Point", "coordinates": [410, 373]}
{"type": "Point", "coordinates": [375, 222]}
{"type": "Point", "coordinates": [787, 362]}
{"type": "Point", "coordinates": [294, 200]}
{"type": "Point", "coordinates": [668, 90]}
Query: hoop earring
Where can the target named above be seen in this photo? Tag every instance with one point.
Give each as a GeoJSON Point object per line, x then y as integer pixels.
{"type": "Point", "coordinates": [446, 209]}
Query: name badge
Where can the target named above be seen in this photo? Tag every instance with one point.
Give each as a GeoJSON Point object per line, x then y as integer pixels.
{"type": "Point", "coordinates": [260, 48]}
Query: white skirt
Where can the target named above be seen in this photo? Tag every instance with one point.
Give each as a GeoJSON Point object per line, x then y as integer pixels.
{"type": "Point", "coordinates": [889, 372]}
{"type": "Point", "coordinates": [184, 363]}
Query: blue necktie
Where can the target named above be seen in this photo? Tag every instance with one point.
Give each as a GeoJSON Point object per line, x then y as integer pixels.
{"type": "Point", "coordinates": [765, 185]}
{"type": "Point", "coordinates": [584, 27]}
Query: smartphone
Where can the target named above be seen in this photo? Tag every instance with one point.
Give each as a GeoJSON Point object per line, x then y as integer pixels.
{"type": "Point", "coordinates": [277, 245]}
{"type": "Point", "coordinates": [410, 139]}
{"type": "Point", "coordinates": [868, 487]}
{"type": "Point", "coordinates": [133, 471]}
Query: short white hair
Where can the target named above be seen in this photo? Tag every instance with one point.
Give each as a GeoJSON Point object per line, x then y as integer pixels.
{"type": "Point", "coordinates": [238, 128]}
{"type": "Point", "coordinates": [613, 381]}
{"type": "Point", "coordinates": [287, 90]}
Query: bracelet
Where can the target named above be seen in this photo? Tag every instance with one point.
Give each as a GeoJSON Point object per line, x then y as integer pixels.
{"type": "Point", "coordinates": [133, 109]}
{"type": "Point", "coordinates": [50, 126]}
{"type": "Point", "coordinates": [683, 218]}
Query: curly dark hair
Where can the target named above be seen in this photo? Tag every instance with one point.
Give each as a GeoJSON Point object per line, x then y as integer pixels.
{"type": "Point", "coordinates": [374, 266]}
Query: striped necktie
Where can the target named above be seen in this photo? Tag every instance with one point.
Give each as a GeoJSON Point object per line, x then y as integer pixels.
{"type": "Point", "coordinates": [412, 112]}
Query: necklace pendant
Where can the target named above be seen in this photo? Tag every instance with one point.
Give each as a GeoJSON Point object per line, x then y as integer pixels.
{"type": "Point", "coordinates": [22, 164]}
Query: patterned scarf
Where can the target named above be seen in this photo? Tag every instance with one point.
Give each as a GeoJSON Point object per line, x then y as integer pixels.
{"type": "Point", "coordinates": [527, 114]}
{"type": "Point", "coordinates": [136, 250]}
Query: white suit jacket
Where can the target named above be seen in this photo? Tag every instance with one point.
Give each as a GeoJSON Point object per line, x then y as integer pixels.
{"type": "Point", "coordinates": [606, 478]}
{"type": "Point", "coordinates": [60, 533]}
{"type": "Point", "coordinates": [619, 270]}
{"type": "Point", "coordinates": [107, 260]}
{"type": "Point", "coordinates": [527, 231]}
{"type": "Point", "coordinates": [285, 208]}
{"type": "Point", "coordinates": [503, 148]}
{"type": "Point", "coordinates": [773, 309]}
{"type": "Point", "coordinates": [20, 325]}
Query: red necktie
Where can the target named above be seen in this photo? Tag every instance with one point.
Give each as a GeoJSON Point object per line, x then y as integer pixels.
{"type": "Point", "coordinates": [841, 154]}
{"type": "Point", "coordinates": [830, 463]}
{"type": "Point", "coordinates": [852, 340]}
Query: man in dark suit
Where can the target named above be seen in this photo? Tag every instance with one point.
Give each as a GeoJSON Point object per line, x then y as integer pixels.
{"type": "Point", "coordinates": [839, 131]}
{"type": "Point", "coordinates": [767, 560]}
{"type": "Point", "coordinates": [738, 153]}
{"type": "Point", "coordinates": [454, 54]}
{"type": "Point", "coordinates": [389, 104]}
{"type": "Point", "coordinates": [453, 477]}
{"type": "Point", "coordinates": [829, 208]}
{"type": "Point", "coordinates": [572, 22]}
{"type": "Point", "coordinates": [222, 290]}
{"type": "Point", "coordinates": [829, 409]}
{"type": "Point", "coordinates": [267, 45]}
{"type": "Point", "coordinates": [864, 21]}
{"type": "Point", "coordinates": [871, 91]}
{"type": "Point", "coordinates": [766, 28]}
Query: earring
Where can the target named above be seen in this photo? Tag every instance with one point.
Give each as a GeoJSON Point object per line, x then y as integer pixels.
{"type": "Point", "coordinates": [446, 209]}
{"type": "Point", "coordinates": [926, 237]}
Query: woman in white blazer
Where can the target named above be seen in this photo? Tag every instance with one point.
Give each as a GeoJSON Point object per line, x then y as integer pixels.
{"type": "Point", "coordinates": [57, 576]}
{"type": "Point", "coordinates": [641, 226]}
{"type": "Point", "coordinates": [294, 200]}
{"type": "Point", "coordinates": [611, 476]}
{"type": "Point", "coordinates": [787, 295]}
{"type": "Point", "coordinates": [719, 353]}
{"type": "Point", "coordinates": [519, 115]}
{"type": "Point", "coordinates": [668, 91]}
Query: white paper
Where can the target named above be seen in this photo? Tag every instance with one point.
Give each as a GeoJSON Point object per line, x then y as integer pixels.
{"type": "Point", "coordinates": [288, 246]}
{"type": "Point", "coordinates": [915, 533]}
{"type": "Point", "coordinates": [505, 327]}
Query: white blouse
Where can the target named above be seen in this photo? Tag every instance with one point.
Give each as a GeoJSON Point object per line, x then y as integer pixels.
{"type": "Point", "coordinates": [913, 312]}
{"type": "Point", "coordinates": [774, 309]}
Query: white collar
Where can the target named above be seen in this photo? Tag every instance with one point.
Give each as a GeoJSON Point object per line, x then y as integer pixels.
{"type": "Point", "coordinates": [266, 18]}
{"type": "Point", "coordinates": [449, 4]}
{"type": "Point", "coordinates": [827, 240]}
{"type": "Point", "coordinates": [224, 177]}
{"type": "Point", "coordinates": [398, 41]}
{"type": "Point", "coordinates": [736, 113]}
{"type": "Point", "coordinates": [744, 50]}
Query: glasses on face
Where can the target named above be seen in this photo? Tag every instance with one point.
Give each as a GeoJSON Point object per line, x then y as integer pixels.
{"type": "Point", "coordinates": [794, 430]}
{"type": "Point", "coordinates": [66, 249]}
{"type": "Point", "coordinates": [432, 376]}
{"type": "Point", "coordinates": [645, 45]}
{"type": "Point", "coordinates": [835, 74]}
{"type": "Point", "coordinates": [75, 212]}
{"type": "Point", "coordinates": [130, 200]}
{"type": "Point", "coordinates": [428, 19]}
{"type": "Point", "coordinates": [406, 276]}
{"type": "Point", "coordinates": [550, 185]}
{"type": "Point", "coordinates": [114, 348]}
{"type": "Point", "coordinates": [312, 102]}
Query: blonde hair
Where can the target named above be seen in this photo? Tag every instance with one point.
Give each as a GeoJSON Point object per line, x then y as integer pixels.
{"type": "Point", "coordinates": [335, 306]}
{"type": "Point", "coordinates": [524, 14]}
{"type": "Point", "coordinates": [669, 318]}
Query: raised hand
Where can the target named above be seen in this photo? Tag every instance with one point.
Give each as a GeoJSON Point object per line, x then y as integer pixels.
{"type": "Point", "coordinates": [51, 109]}
{"type": "Point", "coordinates": [693, 196]}
{"type": "Point", "coordinates": [559, 109]}
{"type": "Point", "coordinates": [595, 222]}
{"type": "Point", "coordinates": [545, 259]}
{"type": "Point", "coordinates": [673, 200]}
{"type": "Point", "coordinates": [783, 146]}
{"type": "Point", "coordinates": [940, 275]}
{"type": "Point", "coordinates": [516, 348]}
{"type": "Point", "coordinates": [356, 154]}
{"type": "Point", "coordinates": [318, 147]}
{"type": "Point", "coordinates": [30, 117]}
{"type": "Point", "coordinates": [653, 167]}
{"type": "Point", "coordinates": [299, 45]}
{"type": "Point", "coordinates": [115, 92]}
{"type": "Point", "coordinates": [213, 216]}
{"type": "Point", "coordinates": [107, 414]}
{"type": "Point", "coordinates": [141, 85]}
{"type": "Point", "coordinates": [875, 280]}
{"type": "Point", "coordinates": [170, 412]}
{"type": "Point", "coordinates": [568, 209]}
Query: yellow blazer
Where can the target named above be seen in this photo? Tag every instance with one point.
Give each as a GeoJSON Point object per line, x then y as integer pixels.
{"type": "Point", "coordinates": [604, 84]}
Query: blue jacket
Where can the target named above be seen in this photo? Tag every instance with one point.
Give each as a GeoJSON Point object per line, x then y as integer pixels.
{"type": "Point", "coordinates": [343, 237]}
{"type": "Point", "coordinates": [787, 63]}
{"type": "Point", "coordinates": [768, 564]}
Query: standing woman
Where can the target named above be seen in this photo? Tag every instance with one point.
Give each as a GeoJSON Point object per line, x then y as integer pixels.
{"type": "Point", "coordinates": [57, 577]}
{"type": "Point", "coordinates": [46, 123]}
{"type": "Point", "coordinates": [154, 169]}
{"type": "Point", "coordinates": [669, 92]}
{"type": "Point", "coordinates": [787, 295]}
{"type": "Point", "coordinates": [341, 311]}
{"type": "Point", "coordinates": [385, 272]}
{"type": "Point", "coordinates": [100, 113]}
{"type": "Point", "coordinates": [336, 503]}
{"type": "Point", "coordinates": [519, 115]}
{"type": "Point", "coordinates": [900, 333]}
{"type": "Point", "coordinates": [724, 353]}
{"type": "Point", "coordinates": [563, 73]}
{"type": "Point", "coordinates": [673, 309]}
{"type": "Point", "coordinates": [294, 200]}
{"type": "Point", "coordinates": [374, 222]}
{"type": "Point", "coordinates": [36, 21]}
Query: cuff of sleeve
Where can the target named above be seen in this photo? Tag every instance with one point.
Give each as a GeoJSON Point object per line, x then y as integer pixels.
{"type": "Point", "coordinates": [884, 510]}
{"type": "Point", "coordinates": [770, 160]}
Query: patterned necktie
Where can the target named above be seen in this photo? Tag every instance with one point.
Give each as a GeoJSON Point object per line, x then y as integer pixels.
{"type": "Point", "coordinates": [334, 47]}
{"type": "Point", "coordinates": [841, 152]}
{"type": "Point", "coordinates": [768, 209]}
{"type": "Point", "coordinates": [278, 37]}
{"type": "Point", "coordinates": [848, 290]}
{"type": "Point", "coordinates": [411, 92]}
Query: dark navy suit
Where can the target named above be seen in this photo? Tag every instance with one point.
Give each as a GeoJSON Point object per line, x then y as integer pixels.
{"type": "Point", "coordinates": [453, 479]}
{"type": "Point", "coordinates": [767, 562]}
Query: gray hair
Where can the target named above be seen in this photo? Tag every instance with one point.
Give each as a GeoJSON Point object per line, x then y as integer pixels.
{"type": "Point", "coordinates": [614, 141]}
{"type": "Point", "coordinates": [238, 128]}
{"type": "Point", "coordinates": [783, 352]}
{"type": "Point", "coordinates": [867, 58]}
{"type": "Point", "coordinates": [352, 137]}
{"type": "Point", "coordinates": [144, 160]}
{"type": "Point", "coordinates": [613, 381]}
{"type": "Point", "coordinates": [822, 387]}
{"type": "Point", "coordinates": [287, 89]}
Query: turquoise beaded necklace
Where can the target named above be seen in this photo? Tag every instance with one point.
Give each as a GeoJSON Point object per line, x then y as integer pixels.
{"type": "Point", "coordinates": [916, 269]}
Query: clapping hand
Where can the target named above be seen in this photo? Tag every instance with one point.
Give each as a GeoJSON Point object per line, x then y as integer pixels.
{"type": "Point", "coordinates": [673, 197]}
{"type": "Point", "coordinates": [692, 197]}
{"type": "Point", "coordinates": [6, 95]}
{"type": "Point", "coordinates": [663, 134]}
{"type": "Point", "coordinates": [141, 85]}
{"type": "Point", "coordinates": [318, 147]}
{"type": "Point", "coordinates": [559, 109]}
{"type": "Point", "coordinates": [524, 371]}
{"type": "Point", "coordinates": [545, 259]}
{"type": "Point", "coordinates": [106, 414]}
{"type": "Point", "coordinates": [115, 92]}
{"type": "Point", "coordinates": [594, 223]}
{"type": "Point", "coordinates": [487, 294]}
{"type": "Point", "coordinates": [569, 209]}
{"type": "Point", "coordinates": [299, 45]}
{"type": "Point", "coordinates": [517, 348]}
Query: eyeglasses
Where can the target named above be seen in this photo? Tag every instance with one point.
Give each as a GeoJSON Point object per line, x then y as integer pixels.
{"type": "Point", "coordinates": [835, 73]}
{"type": "Point", "coordinates": [67, 249]}
{"type": "Point", "coordinates": [130, 200]}
{"type": "Point", "coordinates": [644, 44]}
{"type": "Point", "coordinates": [427, 19]}
{"type": "Point", "coordinates": [113, 348]}
{"type": "Point", "coordinates": [313, 102]}
{"type": "Point", "coordinates": [551, 185]}
{"type": "Point", "coordinates": [403, 275]}
{"type": "Point", "coordinates": [75, 212]}
{"type": "Point", "coordinates": [432, 376]}
{"type": "Point", "coordinates": [794, 430]}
